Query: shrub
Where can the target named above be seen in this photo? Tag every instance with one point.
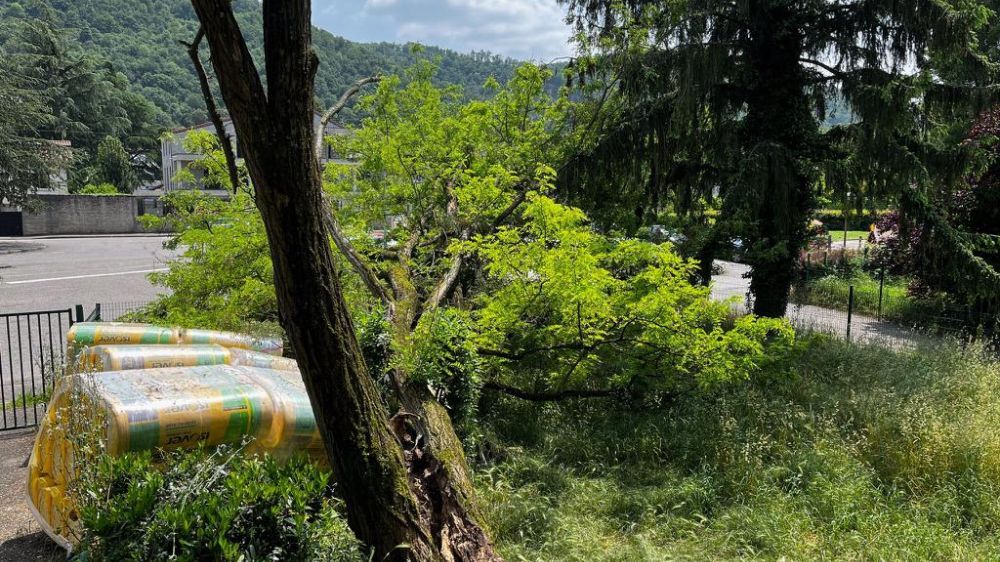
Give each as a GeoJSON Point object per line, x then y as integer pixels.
{"type": "Point", "coordinates": [100, 189]}
{"type": "Point", "coordinates": [201, 505]}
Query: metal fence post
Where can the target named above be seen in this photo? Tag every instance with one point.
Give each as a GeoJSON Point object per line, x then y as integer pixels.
{"type": "Point", "coordinates": [850, 310]}
{"type": "Point", "coordinates": [79, 313]}
{"type": "Point", "coordinates": [881, 285]}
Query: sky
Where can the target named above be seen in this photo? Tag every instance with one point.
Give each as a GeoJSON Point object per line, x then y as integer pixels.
{"type": "Point", "coordinates": [521, 29]}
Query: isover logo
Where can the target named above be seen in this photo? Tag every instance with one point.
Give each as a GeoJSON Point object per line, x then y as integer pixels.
{"type": "Point", "coordinates": [187, 438]}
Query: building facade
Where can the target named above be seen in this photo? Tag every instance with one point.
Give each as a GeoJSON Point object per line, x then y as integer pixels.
{"type": "Point", "coordinates": [175, 158]}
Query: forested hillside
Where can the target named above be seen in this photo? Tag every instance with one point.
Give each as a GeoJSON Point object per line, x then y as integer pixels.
{"type": "Point", "coordinates": [141, 39]}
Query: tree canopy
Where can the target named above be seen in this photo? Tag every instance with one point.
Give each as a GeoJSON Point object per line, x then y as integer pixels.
{"type": "Point", "coordinates": [720, 104]}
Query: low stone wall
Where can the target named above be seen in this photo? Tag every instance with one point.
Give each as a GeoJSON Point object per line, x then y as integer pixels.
{"type": "Point", "coordinates": [82, 214]}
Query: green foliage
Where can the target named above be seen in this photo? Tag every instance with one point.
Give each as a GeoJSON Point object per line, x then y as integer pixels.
{"type": "Point", "coordinates": [223, 278]}
{"type": "Point", "coordinates": [864, 453]}
{"type": "Point", "coordinates": [546, 304]}
{"type": "Point", "coordinates": [100, 189]}
{"type": "Point", "coordinates": [197, 505]}
{"type": "Point", "coordinates": [716, 105]}
{"type": "Point", "coordinates": [567, 307]}
{"type": "Point", "coordinates": [214, 173]}
{"type": "Point", "coordinates": [85, 98]}
{"type": "Point", "coordinates": [441, 352]}
{"type": "Point", "coordinates": [114, 167]}
{"type": "Point", "coordinates": [27, 159]}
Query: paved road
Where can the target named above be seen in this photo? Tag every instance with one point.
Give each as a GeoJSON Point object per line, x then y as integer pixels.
{"type": "Point", "coordinates": [731, 283]}
{"type": "Point", "coordinates": [46, 274]}
{"type": "Point", "coordinates": [57, 274]}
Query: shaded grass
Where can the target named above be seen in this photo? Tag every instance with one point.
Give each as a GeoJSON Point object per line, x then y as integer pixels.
{"type": "Point", "coordinates": [846, 453]}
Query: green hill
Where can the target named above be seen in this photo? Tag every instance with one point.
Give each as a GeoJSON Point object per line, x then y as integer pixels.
{"type": "Point", "coordinates": [141, 39]}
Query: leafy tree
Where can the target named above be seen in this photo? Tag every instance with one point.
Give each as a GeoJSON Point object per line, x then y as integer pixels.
{"type": "Point", "coordinates": [568, 312]}
{"type": "Point", "coordinates": [88, 100]}
{"type": "Point", "coordinates": [713, 98]}
{"type": "Point", "coordinates": [27, 159]}
{"type": "Point", "coordinates": [114, 166]}
{"type": "Point", "coordinates": [407, 504]}
{"type": "Point", "coordinates": [949, 240]}
{"type": "Point", "coordinates": [443, 223]}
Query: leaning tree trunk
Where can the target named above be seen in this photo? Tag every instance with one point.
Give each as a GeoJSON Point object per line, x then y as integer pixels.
{"type": "Point", "coordinates": [383, 489]}
{"type": "Point", "coordinates": [780, 127]}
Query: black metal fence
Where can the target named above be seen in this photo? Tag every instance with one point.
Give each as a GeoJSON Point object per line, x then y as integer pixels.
{"type": "Point", "coordinates": [32, 351]}
{"type": "Point", "coordinates": [32, 356]}
{"type": "Point", "coordinates": [114, 311]}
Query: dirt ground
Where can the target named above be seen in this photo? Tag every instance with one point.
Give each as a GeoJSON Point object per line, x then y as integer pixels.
{"type": "Point", "coordinates": [20, 537]}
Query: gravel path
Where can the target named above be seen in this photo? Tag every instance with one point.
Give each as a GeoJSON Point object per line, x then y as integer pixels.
{"type": "Point", "coordinates": [20, 537]}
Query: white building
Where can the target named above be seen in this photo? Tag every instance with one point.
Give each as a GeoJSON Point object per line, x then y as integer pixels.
{"type": "Point", "coordinates": [175, 158]}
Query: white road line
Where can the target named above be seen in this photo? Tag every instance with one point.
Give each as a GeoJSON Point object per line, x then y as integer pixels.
{"type": "Point", "coordinates": [26, 281]}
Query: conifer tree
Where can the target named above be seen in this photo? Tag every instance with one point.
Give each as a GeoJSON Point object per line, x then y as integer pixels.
{"type": "Point", "coordinates": [723, 98]}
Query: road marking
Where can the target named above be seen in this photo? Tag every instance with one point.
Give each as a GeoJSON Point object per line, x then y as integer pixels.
{"type": "Point", "coordinates": [46, 280]}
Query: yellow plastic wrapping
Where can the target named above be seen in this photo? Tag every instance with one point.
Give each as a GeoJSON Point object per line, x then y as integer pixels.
{"type": "Point", "coordinates": [140, 410]}
{"type": "Point", "coordinates": [270, 346]}
{"type": "Point", "coordinates": [293, 426]}
{"type": "Point", "coordinates": [128, 357]}
{"type": "Point", "coordinates": [86, 334]}
{"type": "Point", "coordinates": [247, 358]}
{"type": "Point", "coordinates": [148, 387]}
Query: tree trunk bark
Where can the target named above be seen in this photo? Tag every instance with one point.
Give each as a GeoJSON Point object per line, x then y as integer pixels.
{"type": "Point", "coordinates": [402, 503]}
{"type": "Point", "coordinates": [780, 129]}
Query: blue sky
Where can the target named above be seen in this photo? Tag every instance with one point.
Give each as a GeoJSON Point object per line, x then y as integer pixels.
{"type": "Point", "coordinates": [523, 29]}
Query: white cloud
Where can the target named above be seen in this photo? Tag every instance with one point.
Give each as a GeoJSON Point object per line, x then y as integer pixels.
{"type": "Point", "coordinates": [525, 29]}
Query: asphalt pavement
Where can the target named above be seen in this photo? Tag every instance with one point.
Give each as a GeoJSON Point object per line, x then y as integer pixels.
{"type": "Point", "coordinates": [732, 284]}
{"type": "Point", "coordinates": [58, 273]}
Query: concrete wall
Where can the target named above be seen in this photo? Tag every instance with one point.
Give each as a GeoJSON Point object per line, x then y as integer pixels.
{"type": "Point", "coordinates": [82, 214]}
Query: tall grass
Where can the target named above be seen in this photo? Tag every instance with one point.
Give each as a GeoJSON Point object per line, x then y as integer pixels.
{"type": "Point", "coordinates": [846, 453]}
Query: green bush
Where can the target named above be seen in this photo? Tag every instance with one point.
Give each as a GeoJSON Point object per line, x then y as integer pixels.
{"type": "Point", "coordinates": [99, 189]}
{"type": "Point", "coordinates": [845, 453]}
{"type": "Point", "coordinates": [201, 505]}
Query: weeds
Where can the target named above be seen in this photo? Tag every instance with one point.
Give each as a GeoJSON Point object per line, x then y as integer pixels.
{"type": "Point", "coordinates": [847, 453]}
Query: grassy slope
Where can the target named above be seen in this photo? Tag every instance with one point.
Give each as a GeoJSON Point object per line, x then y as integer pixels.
{"type": "Point", "coordinates": [848, 453]}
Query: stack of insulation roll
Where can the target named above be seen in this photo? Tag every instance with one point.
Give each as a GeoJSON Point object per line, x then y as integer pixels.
{"type": "Point", "coordinates": [143, 387]}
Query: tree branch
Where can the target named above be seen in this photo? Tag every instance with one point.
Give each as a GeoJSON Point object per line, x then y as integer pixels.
{"type": "Point", "coordinates": [233, 63]}
{"type": "Point", "coordinates": [447, 283]}
{"type": "Point", "coordinates": [832, 70]}
{"type": "Point", "coordinates": [335, 108]}
{"type": "Point", "coordinates": [213, 110]}
{"type": "Point", "coordinates": [549, 396]}
{"type": "Point", "coordinates": [368, 276]}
